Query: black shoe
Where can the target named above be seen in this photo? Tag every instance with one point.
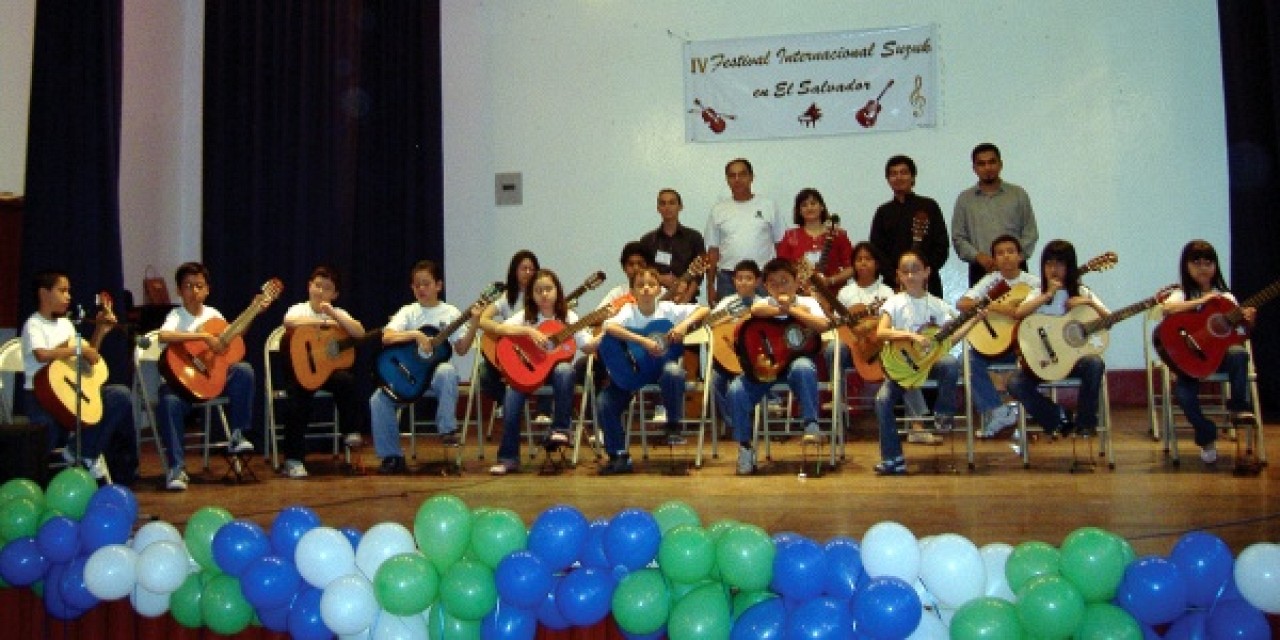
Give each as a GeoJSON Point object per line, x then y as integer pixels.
{"type": "Point", "coordinates": [617, 466]}
{"type": "Point", "coordinates": [1087, 432]}
{"type": "Point", "coordinates": [449, 439]}
{"type": "Point", "coordinates": [556, 440]}
{"type": "Point", "coordinates": [675, 438]}
{"type": "Point", "coordinates": [1066, 426]}
{"type": "Point", "coordinates": [393, 465]}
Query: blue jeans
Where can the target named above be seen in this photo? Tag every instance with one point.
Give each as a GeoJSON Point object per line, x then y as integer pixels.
{"type": "Point", "coordinates": [491, 383]}
{"type": "Point", "coordinates": [1026, 389]}
{"type": "Point", "coordinates": [912, 398]}
{"type": "Point", "coordinates": [1187, 390]}
{"type": "Point", "coordinates": [117, 413]}
{"type": "Point", "coordinates": [561, 381]}
{"type": "Point", "coordinates": [382, 412]}
{"type": "Point", "coordinates": [802, 377]}
{"type": "Point", "coordinates": [172, 410]}
{"type": "Point", "coordinates": [613, 400]}
{"type": "Point", "coordinates": [985, 396]}
{"type": "Point", "coordinates": [946, 371]}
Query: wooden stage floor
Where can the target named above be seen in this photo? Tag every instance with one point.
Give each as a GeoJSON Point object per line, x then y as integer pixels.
{"type": "Point", "coordinates": [1145, 499]}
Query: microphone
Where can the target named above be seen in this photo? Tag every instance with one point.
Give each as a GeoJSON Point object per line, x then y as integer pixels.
{"type": "Point", "coordinates": [77, 316]}
{"type": "Point", "coordinates": [144, 341]}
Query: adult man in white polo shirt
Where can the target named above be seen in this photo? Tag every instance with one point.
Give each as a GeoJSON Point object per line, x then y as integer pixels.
{"type": "Point", "coordinates": [746, 226]}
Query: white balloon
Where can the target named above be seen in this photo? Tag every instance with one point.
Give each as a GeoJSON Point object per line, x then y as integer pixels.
{"type": "Point", "coordinates": [952, 569]}
{"type": "Point", "coordinates": [890, 549]}
{"type": "Point", "coordinates": [324, 555]}
{"type": "Point", "coordinates": [1257, 574]}
{"type": "Point", "coordinates": [149, 604]}
{"type": "Point", "coordinates": [367, 634]}
{"type": "Point", "coordinates": [380, 542]}
{"type": "Point", "coordinates": [163, 566]}
{"type": "Point", "coordinates": [348, 604]}
{"type": "Point", "coordinates": [393, 627]}
{"type": "Point", "coordinates": [931, 627]}
{"type": "Point", "coordinates": [994, 557]}
{"type": "Point", "coordinates": [111, 572]}
{"type": "Point", "coordinates": [154, 532]}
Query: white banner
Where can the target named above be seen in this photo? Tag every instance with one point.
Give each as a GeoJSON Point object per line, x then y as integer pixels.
{"type": "Point", "coordinates": [811, 84]}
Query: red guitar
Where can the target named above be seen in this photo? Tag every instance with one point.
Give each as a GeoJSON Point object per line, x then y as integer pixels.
{"type": "Point", "coordinates": [193, 368]}
{"type": "Point", "coordinates": [525, 365]}
{"type": "Point", "coordinates": [489, 341]}
{"type": "Point", "coordinates": [1193, 343]}
{"type": "Point", "coordinates": [867, 115]}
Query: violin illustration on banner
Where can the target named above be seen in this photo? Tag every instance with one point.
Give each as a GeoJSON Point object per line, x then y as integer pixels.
{"type": "Point", "coordinates": [715, 120]}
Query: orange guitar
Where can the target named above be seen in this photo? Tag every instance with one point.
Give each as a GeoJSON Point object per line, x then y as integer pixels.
{"type": "Point", "coordinates": [856, 330]}
{"type": "Point", "coordinates": [489, 341]}
{"type": "Point", "coordinates": [525, 365]}
{"type": "Point", "coordinates": [316, 351]}
{"type": "Point", "coordinates": [198, 371]}
{"type": "Point", "coordinates": [55, 385]}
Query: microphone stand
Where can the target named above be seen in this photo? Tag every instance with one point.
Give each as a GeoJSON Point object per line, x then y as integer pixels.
{"type": "Point", "coordinates": [79, 394]}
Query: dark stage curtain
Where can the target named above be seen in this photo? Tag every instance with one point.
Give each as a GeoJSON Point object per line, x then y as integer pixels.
{"type": "Point", "coordinates": [1250, 31]}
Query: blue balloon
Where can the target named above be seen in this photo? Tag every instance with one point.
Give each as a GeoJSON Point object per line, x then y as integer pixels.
{"type": "Point", "coordinates": [305, 622]}
{"type": "Point", "coordinates": [523, 579]}
{"type": "Point", "coordinates": [74, 591]}
{"type": "Point", "coordinates": [549, 614]}
{"type": "Point", "coordinates": [1191, 626]}
{"type": "Point", "coordinates": [21, 563]}
{"type": "Point", "coordinates": [799, 570]}
{"type": "Point", "coordinates": [353, 536]}
{"type": "Point", "coordinates": [557, 536]}
{"type": "Point", "coordinates": [276, 620]}
{"type": "Point", "coordinates": [59, 539]}
{"type": "Point", "coordinates": [238, 543]}
{"type": "Point", "coordinates": [1229, 590]}
{"type": "Point", "coordinates": [118, 495]}
{"type": "Point", "coordinates": [632, 539]}
{"type": "Point", "coordinates": [270, 582]}
{"type": "Point", "coordinates": [1204, 561]}
{"type": "Point", "coordinates": [820, 619]}
{"type": "Point", "coordinates": [1237, 619]}
{"type": "Point", "coordinates": [506, 622]}
{"type": "Point", "coordinates": [106, 525]}
{"type": "Point", "coordinates": [786, 537]}
{"type": "Point", "coordinates": [584, 596]}
{"type": "Point", "coordinates": [592, 556]}
{"type": "Point", "coordinates": [54, 603]}
{"type": "Point", "coordinates": [765, 620]}
{"type": "Point", "coordinates": [1152, 591]}
{"type": "Point", "coordinates": [887, 608]}
{"type": "Point", "coordinates": [844, 568]}
{"type": "Point", "coordinates": [289, 526]}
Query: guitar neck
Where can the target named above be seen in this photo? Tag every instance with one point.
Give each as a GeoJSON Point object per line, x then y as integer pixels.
{"type": "Point", "coordinates": [1256, 300]}
{"type": "Point", "coordinates": [591, 319]}
{"type": "Point", "coordinates": [242, 321]}
{"type": "Point", "coordinates": [958, 321]}
{"type": "Point", "coordinates": [449, 329]}
{"type": "Point", "coordinates": [1106, 322]}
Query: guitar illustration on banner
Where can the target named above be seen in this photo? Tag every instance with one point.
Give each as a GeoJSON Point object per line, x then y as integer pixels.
{"type": "Point", "coordinates": [868, 114]}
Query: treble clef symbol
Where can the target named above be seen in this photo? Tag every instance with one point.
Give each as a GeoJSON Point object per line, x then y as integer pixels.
{"type": "Point", "coordinates": [917, 98]}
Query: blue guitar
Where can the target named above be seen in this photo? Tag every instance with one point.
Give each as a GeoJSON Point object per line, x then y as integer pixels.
{"type": "Point", "coordinates": [405, 373]}
{"type": "Point", "coordinates": [631, 366]}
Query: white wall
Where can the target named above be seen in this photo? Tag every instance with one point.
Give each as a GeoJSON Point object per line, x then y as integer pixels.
{"type": "Point", "coordinates": [1109, 114]}
{"type": "Point", "coordinates": [17, 35]}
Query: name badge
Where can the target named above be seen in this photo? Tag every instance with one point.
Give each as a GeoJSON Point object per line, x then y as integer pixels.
{"type": "Point", "coordinates": [663, 258]}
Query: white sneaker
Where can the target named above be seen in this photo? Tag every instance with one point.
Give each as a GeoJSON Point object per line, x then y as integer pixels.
{"type": "Point", "coordinates": [294, 469]}
{"type": "Point", "coordinates": [775, 405]}
{"type": "Point", "coordinates": [999, 419]}
{"type": "Point", "coordinates": [238, 443]}
{"type": "Point", "coordinates": [660, 414]}
{"type": "Point", "coordinates": [497, 413]}
{"type": "Point", "coordinates": [176, 480]}
{"type": "Point", "coordinates": [923, 437]}
{"type": "Point", "coordinates": [746, 461]}
{"type": "Point", "coordinates": [68, 456]}
{"type": "Point", "coordinates": [542, 418]}
{"type": "Point", "coordinates": [812, 433]}
{"type": "Point", "coordinates": [97, 467]}
{"type": "Point", "coordinates": [1209, 454]}
{"type": "Point", "coordinates": [353, 441]}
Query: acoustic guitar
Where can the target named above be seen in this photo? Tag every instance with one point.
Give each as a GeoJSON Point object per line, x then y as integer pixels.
{"type": "Point", "coordinates": [56, 384]}
{"type": "Point", "coordinates": [1051, 345]}
{"type": "Point", "coordinates": [404, 371]}
{"type": "Point", "coordinates": [994, 335]}
{"type": "Point", "coordinates": [723, 340]}
{"type": "Point", "coordinates": [696, 269]}
{"type": "Point", "coordinates": [525, 365]}
{"type": "Point", "coordinates": [317, 350]}
{"type": "Point", "coordinates": [908, 363]}
{"type": "Point", "coordinates": [805, 270]}
{"type": "Point", "coordinates": [198, 372]}
{"type": "Point", "coordinates": [1193, 343]}
{"type": "Point", "coordinates": [631, 366]}
{"type": "Point", "coordinates": [489, 342]}
{"type": "Point", "coordinates": [856, 331]}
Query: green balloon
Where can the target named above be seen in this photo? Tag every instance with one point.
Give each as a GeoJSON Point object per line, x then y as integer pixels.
{"type": "Point", "coordinates": [642, 602]}
{"type": "Point", "coordinates": [19, 518]}
{"type": "Point", "coordinates": [442, 528]}
{"type": "Point", "coordinates": [1050, 607]}
{"type": "Point", "coordinates": [744, 600]}
{"type": "Point", "coordinates": [1105, 621]}
{"type": "Point", "coordinates": [704, 613]}
{"type": "Point", "coordinates": [986, 619]}
{"type": "Point", "coordinates": [686, 553]}
{"type": "Point", "coordinates": [673, 513]}
{"type": "Point", "coordinates": [468, 591]}
{"type": "Point", "coordinates": [745, 557]}
{"type": "Point", "coordinates": [70, 490]}
{"type": "Point", "coordinates": [1093, 560]}
{"type": "Point", "coordinates": [442, 626]}
{"type": "Point", "coordinates": [223, 606]}
{"type": "Point", "coordinates": [1129, 554]}
{"type": "Point", "coordinates": [717, 530]}
{"type": "Point", "coordinates": [22, 488]}
{"type": "Point", "coordinates": [1031, 559]}
{"type": "Point", "coordinates": [406, 584]}
{"type": "Point", "coordinates": [199, 535]}
{"type": "Point", "coordinates": [495, 534]}
{"type": "Point", "coordinates": [184, 604]}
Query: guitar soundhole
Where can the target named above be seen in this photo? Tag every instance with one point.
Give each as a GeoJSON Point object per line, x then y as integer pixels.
{"type": "Point", "coordinates": [1219, 326]}
{"type": "Point", "coordinates": [1073, 334]}
{"type": "Point", "coordinates": [794, 337]}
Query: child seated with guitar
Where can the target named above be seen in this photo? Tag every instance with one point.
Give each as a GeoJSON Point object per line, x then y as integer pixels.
{"type": "Point", "coordinates": [1059, 292]}
{"type": "Point", "coordinates": [543, 301]}
{"type": "Point", "coordinates": [48, 338]}
{"type": "Point", "coordinates": [1202, 282]}
{"type": "Point", "coordinates": [1006, 250]}
{"type": "Point", "coordinates": [630, 325]}
{"type": "Point", "coordinates": [426, 279]}
{"type": "Point", "coordinates": [746, 281]}
{"type": "Point", "coordinates": [520, 270]}
{"type": "Point", "coordinates": [907, 320]}
{"type": "Point", "coordinates": [318, 311]}
{"type": "Point", "coordinates": [783, 303]}
{"type": "Point", "coordinates": [816, 242]}
{"type": "Point", "coordinates": [187, 323]}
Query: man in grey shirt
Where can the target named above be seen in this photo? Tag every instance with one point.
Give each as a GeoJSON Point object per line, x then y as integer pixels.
{"type": "Point", "coordinates": [988, 210]}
